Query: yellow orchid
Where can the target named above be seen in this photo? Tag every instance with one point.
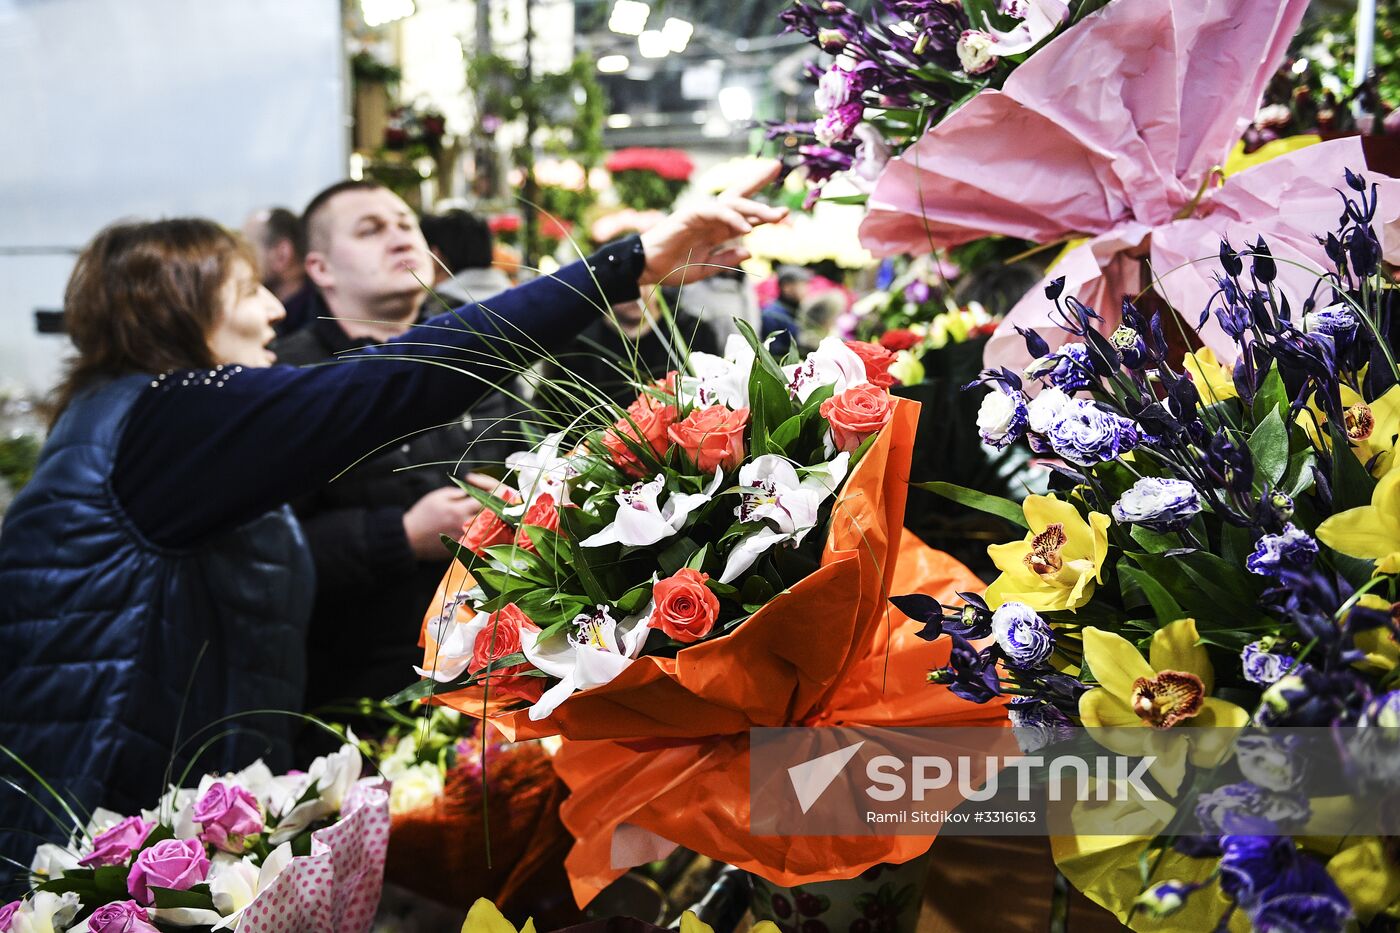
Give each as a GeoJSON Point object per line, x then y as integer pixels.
{"type": "Point", "coordinates": [1371, 531]}
{"type": "Point", "coordinates": [1171, 688]}
{"type": "Point", "coordinates": [1379, 645]}
{"type": "Point", "coordinates": [485, 917]}
{"type": "Point", "coordinates": [1366, 876]}
{"type": "Point", "coordinates": [1057, 564]}
{"type": "Point", "coordinates": [1370, 426]}
{"type": "Point", "coordinates": [1213, 380]}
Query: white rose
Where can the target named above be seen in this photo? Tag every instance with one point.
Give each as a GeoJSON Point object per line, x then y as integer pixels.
{"type": "Point", "coordinates": [976, 52]}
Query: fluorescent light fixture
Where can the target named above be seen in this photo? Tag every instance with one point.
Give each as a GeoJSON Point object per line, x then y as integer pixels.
{"type": "Point", "coordinates": [380, 12]}
{"type": "Point", "coordinates": [677, 33]}
{"type": "Point", "coordinates": [628, 17]}
{"type": "Point", "coordinates": [736, 104]}
{"type": "Point", "coordinates": [613, 64]}
{"type": "Point", "coordinates": [652, 44]}
{"type": "Point", "coordinates": [619, 121]}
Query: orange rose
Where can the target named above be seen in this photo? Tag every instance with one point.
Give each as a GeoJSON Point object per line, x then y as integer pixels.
{"type": "Point", "coordinates": [541, 514]}
{"type": "Point", "coordinates": [856, 414]}
{"type": "Point", "coordinates": [685, 608]}
{"type": "Point", "coordinates": [647, 421]}
{"type": "Point", "coordinates": [877, 362]}
{"type": "Point", "coordinates": [712, 437]}
{"type": "Point", "coordinates": [485, 529]}
{"type": "Point", "coordinates": [498, 639]}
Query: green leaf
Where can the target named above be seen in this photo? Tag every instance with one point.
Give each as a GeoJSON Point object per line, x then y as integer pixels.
{"type": "Point", "coordinates": [1300, 476]}
{"type": "Point", "coordinates": [993, 505]}
{"type": "Point", "coordinates": [488, 501]}
{"type": "Point", "coordinates": [1269, 447]}
{"type": "Point", "coordinates": [1163, 605]}
{"type": "Point", "coordinates": [586, 576]}
{"type": "Point", "coordinates": [697, 560]}
{"type": "Point", "coordinates": [847, 199]}
{"type": "Point", "coordinates": [1351, 484]}
{"type": "Point", "coordinates": [197, 896]}
{"type": "Point", "coordinates": [634, 599]}
{"type": "Point", "coordinates": [1271, 397]}
{"type": "Point", "coordinates": [676, 554]}
{"type": "Point", "coordinates": [1153, 542]}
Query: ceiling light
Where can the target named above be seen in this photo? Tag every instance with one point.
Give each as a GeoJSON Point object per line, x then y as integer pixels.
{"type": "Point", "coordinates": [619, 121]}
{"type": "Point", "coordinates": [652, 44]}
{"type": "Point", "coordinates": [613, 64]}
{"type": "Point", "coordinates": [628, 17]}
{"type": "Point", "coordinates": [736, 104]}
{"type": "Point", "coordinates": [677, 33]}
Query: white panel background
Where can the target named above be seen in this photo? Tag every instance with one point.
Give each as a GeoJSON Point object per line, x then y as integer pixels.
{"type": "Point", "coordinates": [151, 108]}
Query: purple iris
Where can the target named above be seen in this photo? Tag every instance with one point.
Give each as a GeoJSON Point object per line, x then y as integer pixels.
{"type": "Point", "coordinates": [1293, 548]}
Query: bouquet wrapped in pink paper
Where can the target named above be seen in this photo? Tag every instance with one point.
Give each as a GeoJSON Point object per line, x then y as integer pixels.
{"type": "Point", "coordinates": [259, 852]}
{"type": "Point", "coordinates": [1118, 131]}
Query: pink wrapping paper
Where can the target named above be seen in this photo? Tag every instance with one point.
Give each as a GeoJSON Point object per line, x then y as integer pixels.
{"type": "Point", "coordinates": [336, 888]}
{"type": "Point", "coordinates": [1093, 138]}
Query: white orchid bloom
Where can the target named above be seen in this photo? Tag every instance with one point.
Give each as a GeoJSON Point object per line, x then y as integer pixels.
{"type": "Point", "coordinates": [52, 861]}
{"type": "Point", "coordinates": [455, 643]}
{"type": "Point", "coordinates": [46, 912]}
{"type": "Point", "coordinates": [332, 775]}
{"type": "Point", "coordinates": [642, 521]}
{"type": "Point", "coordinates": [592, 654]}
{"type": "Point", "coordinates": [1038, 18]}
{"type": "Point", "coordinates": [233, 882]}
{"type": "Point", "coordinates": [832, 363]}
{"type": "Point", "coordinates": [541, 471]}
{"type": "Point", "coordinates": [772, 492]}
{"type": "Point", "coordinates": [721, 380]}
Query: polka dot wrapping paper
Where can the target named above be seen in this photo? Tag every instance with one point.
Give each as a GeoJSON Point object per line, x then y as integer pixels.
{"type": "Point", "coordinates": [336, 888]}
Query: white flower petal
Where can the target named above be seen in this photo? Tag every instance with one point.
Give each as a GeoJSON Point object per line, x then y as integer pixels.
{"type": "Point", "coordinates": [748, 550]}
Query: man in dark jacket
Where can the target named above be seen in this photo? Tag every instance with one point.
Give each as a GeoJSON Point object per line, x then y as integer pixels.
{"type": "Point", "coordinates": [375, 531]}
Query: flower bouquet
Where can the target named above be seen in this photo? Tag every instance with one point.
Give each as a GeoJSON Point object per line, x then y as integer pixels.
{"type": "Point", "coordinates": [1223, 551]}
{"type": "Point", "coordinates": [717, 557]}
{"type": "Point", "coordinates": [251, 851]}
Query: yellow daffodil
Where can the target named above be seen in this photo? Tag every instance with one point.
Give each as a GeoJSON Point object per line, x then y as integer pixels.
{"type": "Point", "coordinates": [1171, 688]}
{"type": "Point", "coordinates": [1371, 531]}
{"type": "Point", "coordinates": [1058, 563]}
{"type": "Point", "coordinates": [1214, 381]}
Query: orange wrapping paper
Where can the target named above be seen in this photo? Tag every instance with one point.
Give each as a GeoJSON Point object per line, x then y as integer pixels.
{"type": "Point", "coordinates": [664, 746]}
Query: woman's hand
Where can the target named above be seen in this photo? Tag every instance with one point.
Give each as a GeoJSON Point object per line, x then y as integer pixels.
{"type": "Point", "coordinates": [695, 243]}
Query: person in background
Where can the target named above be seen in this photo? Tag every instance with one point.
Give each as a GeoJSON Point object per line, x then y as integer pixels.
{"type": "Point", "coordinates": [779, 316]}
{"type": "Point", "coordinates": [156, 589]}
{"type": "Point", "coordinates": [817, 317]}
{"type": "Point", "coordinates": [375, 533]}
{"type": "Point", "coordinates": [631, 344]}
{"type": "Point", "coordinates": [463, 248]}
{"type": "Point", "coordinates": [275, 235]}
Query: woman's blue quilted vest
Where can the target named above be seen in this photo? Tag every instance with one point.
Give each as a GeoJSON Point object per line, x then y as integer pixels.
{"type": "Point", "coordinates": [110, 645]}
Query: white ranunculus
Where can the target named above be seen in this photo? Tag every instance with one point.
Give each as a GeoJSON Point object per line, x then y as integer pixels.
{"type": "Point", "coordinates": [1044, 409]}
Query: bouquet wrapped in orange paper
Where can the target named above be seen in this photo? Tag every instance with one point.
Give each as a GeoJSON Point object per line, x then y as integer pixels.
{"type": "Point", "coordinates": [613, 633]}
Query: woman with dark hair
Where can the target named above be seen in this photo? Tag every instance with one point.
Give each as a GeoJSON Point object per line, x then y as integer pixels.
{"type": "Point", "coordinates": [155, 589]}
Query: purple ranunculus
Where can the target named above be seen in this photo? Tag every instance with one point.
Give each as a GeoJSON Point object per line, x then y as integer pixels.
{"type": "Point", "coordinates": [1085, 434]}
{"type": "Point", "coordinates": [1001, 419]}
{"type": "Point", "coordinates": [1263, 666]}
{"type": "Point", "coordinates": [1037, 723]}
{"type": "Point", "coordinates": [1022, 634]}
{"type": "Point", "coordinates": [1293, 547]}
{"type": "Point", "coordinates": [1159, 504]}
{"type": "Point", "coordinates": [1214, 808]}
{"type": "Point", "coordinates": [120, 917]}
{"type": "Point", "coordinates": [1067, 369]}
{"type": "Point", "coordinates": [114, 846]}
{"type": "Point", "coordinates": [178, 864]}
{"type": "Point", "coordinates": [6, 913]}
{"type": "Point", "coordinates": [229, 817]}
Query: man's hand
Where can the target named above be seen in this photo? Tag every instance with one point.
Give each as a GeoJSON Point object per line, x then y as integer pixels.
{"type": "Point", "coordinates": [442, 512]}
{"type": "Point", "coordinates": [696, 243]}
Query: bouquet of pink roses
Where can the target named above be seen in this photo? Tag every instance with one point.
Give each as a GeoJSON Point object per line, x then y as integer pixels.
{"type": "Point", "coordinates": [252, 850]}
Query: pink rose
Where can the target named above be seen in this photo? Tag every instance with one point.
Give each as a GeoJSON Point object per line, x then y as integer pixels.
{"type": "Point", "coordinates": [712, 437]}
{"type": "Point", "coordinates": [178, 864]}
{"type": "Point", "coordinates": [229, 815]}
{"type": "Point", "coordinates": [114, 846]}
{"type": "Point", "coordinates": [6, 913]}
{"type": "Point", "coordinates": [121, 917]}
